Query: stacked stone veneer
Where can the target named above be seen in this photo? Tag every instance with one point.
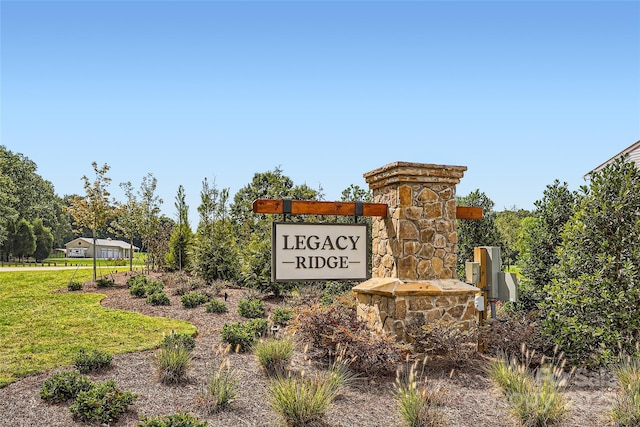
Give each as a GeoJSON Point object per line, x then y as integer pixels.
{"type": "Point", "coordinates": [414, 250]}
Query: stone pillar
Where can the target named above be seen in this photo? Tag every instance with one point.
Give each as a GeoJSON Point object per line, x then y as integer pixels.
{"type": "Point", "coordinates": [417, 240]}
{"type": "Point", "coordinates": [414, 249]}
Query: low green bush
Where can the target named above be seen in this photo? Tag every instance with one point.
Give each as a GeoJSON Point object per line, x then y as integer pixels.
{"type": "Point", "coordinates": [74, 285]}
{"type": "Point", "coordinates": [241, 336]}
{"type": "Point", "coordinates": [158, 298]}
{"type": "Point", "coordinates": [193, 299]}
{"type": "Point", "coordinates": [105, 283]}
{"type": "Point", "coordinates": [138, 278]}
{"type": "Point", "coordinates": [104, 402]}
{"type": "Point", "coordinates": [154, 286]}
{"type": "Point", "coordinates": [178, 340]}
{"type": "Point", "coordinates": [63, 386]}
{"type": "Point", "coordinates": [216, 306]}
{"type": "Point", "coordinates": [92, 360]}
{"type": "Point", "coordinates": [251, 309]}
{"type": "Point", "coordinates": [138, 290]}
{"type": "Point", "coordinates": [181, 419]}
{"type": "Point", "coordinates": [281, 316]}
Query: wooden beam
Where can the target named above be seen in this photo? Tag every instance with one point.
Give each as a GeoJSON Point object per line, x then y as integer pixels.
{"type": "Point", "coordinates": [468, 212]}
{"type": "Point", "coordinates": [313, 207]}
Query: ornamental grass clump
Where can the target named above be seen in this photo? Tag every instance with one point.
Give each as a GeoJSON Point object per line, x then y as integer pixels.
{"type": "Point", "coordinates": [221, 389]}
{"type": "Point", "coordinates": [419, 402]}
{"type": "Point", "coordinates": [535, 396]}
{"type": "Point", "coordinates": [625, 411]}
{"type": "Point", "coordinates": [172, 363]}
{"type": "Point", "coordinates": [299, 399]}
{"type": "Point", "coordinates": [274, 354]}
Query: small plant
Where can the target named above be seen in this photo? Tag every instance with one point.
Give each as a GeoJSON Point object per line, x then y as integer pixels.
{"type": "Point", "coordinates": [103, 402]}
{"type": "Point", "coordinates": [74, 285]}
{"type": "Point", "coordinates": [138, 278]}
{"type": "Point", "coordinates": [154, 286]}
{"type": "Point", "coordinates": [103, 282]}
{"type": "Point", "coordinates": [193, 299]}
{"type": "Point", "coordinates": [216, 306]}
{"type": "Point", "coordinates": [92, 360]}
{"type": "Point", "coordinates": [274, 354]}
{"type": "Point", "coordinates": [138, 290]}
{"type": "Point", "coordinates": [241, 336]}
{"type": "Point", "coordinates": [300, 400]}
{"type": "Point", "coordinates": [63, 386]}
{"type": "Point", "coordinates": [534, 396]}
{"type": "Point", "coordinates": [181, 419]}
{"type": "Point", "coordinates": [419, 403]}
{"type": "Point", "coordinates": [625, 411]}
{"type": "Point", "coordinates": [251, 309]}
{"type": "Point", "coordinates": [447, 339]}
{"type": "Point", "coordinates": [178, 340]}
{"type": "Point", "coordinates": [221, 390]}
{"type": "Point", "coordinates": [281, 316]}
{"type": "Point", "coordinates": [172, 364]}
{"type": "Point", "coordinates": [158, 298]}
{"type": "Point", "coordinates": [340, 374]}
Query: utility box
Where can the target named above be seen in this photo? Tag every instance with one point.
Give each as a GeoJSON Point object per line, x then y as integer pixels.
{"type": "Point", "coordinates": [472, 272]}
{"type": "Point", "coordinates": [501, 286]}
{"type": "Point", "coordinates": [508, 287]}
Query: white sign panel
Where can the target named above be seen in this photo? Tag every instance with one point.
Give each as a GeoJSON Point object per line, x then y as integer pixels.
{"type": "Point", "coordinates": [303, 251]}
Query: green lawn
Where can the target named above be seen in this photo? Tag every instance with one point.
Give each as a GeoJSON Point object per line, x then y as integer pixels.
{"type": "Point", "coordinates": [41, 330]}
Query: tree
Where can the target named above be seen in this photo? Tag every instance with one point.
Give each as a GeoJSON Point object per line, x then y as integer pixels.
{"type": "Point", "coordinates": [215, 254]}
{"type": "Point", "coordinates": [483, 232]}
{"type": "Point", "coordinates": [24, 241]}
{"type": "Point", "coordinates": [509, 223]}
{"type": "Point", "coordinates": [593, 309]}
{"type": "Point", "coordinates": [94, 210]}
{"type": "Point", "coordinates": [539, 241]}
{"type": "Point", "coordinates": [43, 240]}
{"type": "Point", "coordinates": [127, 223]}
{"type": "Point", "coordinates": [150, 216]}
{"type": "Point", "coordinates": [181, 235]}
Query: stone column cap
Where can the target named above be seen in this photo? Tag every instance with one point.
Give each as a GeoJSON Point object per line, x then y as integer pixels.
{"type": "Point", "coordinates": [410, 173]}
{"type": "Point", "coordinates": [392, 287]}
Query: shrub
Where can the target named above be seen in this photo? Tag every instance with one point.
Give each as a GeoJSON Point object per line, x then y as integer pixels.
{"type": "Point", "coordinates": [75, 285]}
{"type": "Point", "coordinates": [215, 306]}
{"type": "Point", "coordinates": [221, 390]}
{"type": "Point", "coordinates": [300, 400]}
{"type": "Point", "coordinates": [333, 289]}
{"type": "Point", "coordinates": [281, 316]}
{"type": "Point", "coordinates": [274, 354]}
{"type": "Point", "coordinates": [63, 386]}
{"type": "Point", "coordinates": [138, 290]}
{"type": "Point", "coordinates": [336, 326]}
{"type": "Point", "coordinates": [92, 360]}
{"type": "Point", "coordinates": [535, 396]}
{"type": "Point", "coordinates": [625, 411]}
{"type": "Point", "coordinates": [181, 419]}
{"type": "Point", "coordinates": [138, 278]}
{"type": "Point", "coordinates": [193, 299]}
{"type": "Point", "coordinates": [172, 364]}
{"type": "Point", "coordinates": [154, 286]}
{"type": "Point", "coordinates": [241, 336]}
{"type": "Point", "coordinates": [158, 298]}
{"type": "Point", "coordinates": [419, 403]}
{"type": "Point", "coordinates": [251, 309]}
{"type": "Point", "coordinates": [447, 339]}
{"type": "Point", "coordinates": [175, 339]}
{"type": "Point", "coordinates": [103, 282]}
{"type": "Point", "coordinates": [103, 402]}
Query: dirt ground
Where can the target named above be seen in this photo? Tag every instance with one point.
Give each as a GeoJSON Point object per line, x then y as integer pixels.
{"type": "Point", "coordinates": [470, 399]}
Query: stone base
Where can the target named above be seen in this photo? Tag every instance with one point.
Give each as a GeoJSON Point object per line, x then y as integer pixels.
{"type": "Point", "coordinates": [392, 305]}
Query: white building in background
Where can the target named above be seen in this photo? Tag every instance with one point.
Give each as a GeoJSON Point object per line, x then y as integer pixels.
{"type": "Point", "coordinates": [82, 247]}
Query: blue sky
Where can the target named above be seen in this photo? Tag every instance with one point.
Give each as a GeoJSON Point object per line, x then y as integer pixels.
{"type": "Point", "coordinates": [522, 93]}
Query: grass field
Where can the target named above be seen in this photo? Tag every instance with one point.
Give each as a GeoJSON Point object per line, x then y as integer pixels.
{"type": "Point", "coordinates": [41, 330]}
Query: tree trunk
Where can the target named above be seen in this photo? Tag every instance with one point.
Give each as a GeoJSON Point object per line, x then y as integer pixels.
{"type": "Point", "coordinates": [131, 254]}
{"type": "Point", "coordinates": [95, 253]}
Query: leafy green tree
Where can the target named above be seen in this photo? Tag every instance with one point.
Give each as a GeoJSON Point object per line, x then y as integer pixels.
{"type": "Point", "coordinates": [472, 233]}
{"type": "Point", "coordinates": [181, 235]}
{"type": "Point", "coordinates": [593, 308]}
{"type": "Point", "coordinates": [149, 217]}
{"type": "Point", "coordinates": [539, 241]}
{"type": "Point", "coordinates": [43, 239]}
{"type": "Point", "coordinates": [215, 253]}
{"type": "Point", "coordinates": [509, 223]}
{"type": "Point", "coordinates": [127, 223]}
{"type": "Point", "coordinates": [24, 241]}
{"type": "Point", "coordinates": [8, 214]}
{"type": "Point", "coordinates": [94, 210]}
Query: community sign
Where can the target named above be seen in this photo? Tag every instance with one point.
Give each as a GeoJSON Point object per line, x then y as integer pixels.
{"type": "Point", "coordinates": [304, 251]}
